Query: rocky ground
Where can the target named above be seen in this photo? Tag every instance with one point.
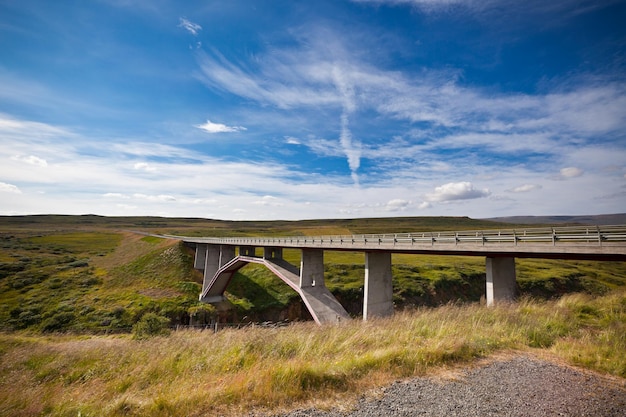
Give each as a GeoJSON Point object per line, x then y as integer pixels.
{"type": "Point", "coordinates": [513, 386]}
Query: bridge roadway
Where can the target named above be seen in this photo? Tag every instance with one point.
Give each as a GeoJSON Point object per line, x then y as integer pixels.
{"type": "Point", "coordinates": [217, 258]}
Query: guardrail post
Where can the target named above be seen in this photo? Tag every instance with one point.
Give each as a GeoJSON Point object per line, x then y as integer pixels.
{"type": "Point", "coordinates": [378, 297]}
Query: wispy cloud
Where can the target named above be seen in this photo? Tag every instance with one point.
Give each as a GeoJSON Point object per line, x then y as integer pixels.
{"type": "Point", "coordinates": [502, 7]}
{"type": "Point", "coordinates": [189, 26]}
{"type": "Point", "coordinates": [9, 188]}
{"type": "Point", "coordinates": [31, 160]}
{"type": "Point", "coordinates": [212, 127]}
{"type": "Point", "coordinates": [525, 188]}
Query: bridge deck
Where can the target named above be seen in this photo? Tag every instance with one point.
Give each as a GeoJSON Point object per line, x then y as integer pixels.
{"type": "Point", "coordinates": [580, 242]}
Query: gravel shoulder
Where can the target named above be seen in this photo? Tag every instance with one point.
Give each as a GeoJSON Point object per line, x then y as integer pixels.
{"type": "Point", "coordinates": [518, 385]}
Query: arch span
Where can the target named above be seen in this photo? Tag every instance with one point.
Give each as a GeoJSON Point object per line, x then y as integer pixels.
{"type": "Point", "coordinates": [320, 302]}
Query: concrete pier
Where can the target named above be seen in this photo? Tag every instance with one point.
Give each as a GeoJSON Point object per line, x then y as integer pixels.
{"type": "Point", "coordinates": [312, 268]}
{"type": "Point", "coordinates": [247, 251]}
{"type": "Point", "coordinates": [211, 264]}
{"type": "Point", "coordinates": [200, 259]}
{"type": "Point", "coordinates": [501, 280]}
{"type": "Point", "coordinates": [378, 297]}
{"type": "Point", "coordinates": [270, 252]}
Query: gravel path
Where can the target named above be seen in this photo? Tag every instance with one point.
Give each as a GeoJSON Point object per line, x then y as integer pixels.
{"type": "Point", "coordinates": [519, 386]}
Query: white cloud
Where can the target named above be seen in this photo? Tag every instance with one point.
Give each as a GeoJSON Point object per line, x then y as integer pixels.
{"type": "Point", "coordinates": [525, 188]}
{"type": "Point", "coordinates": [160, 197]}
{"type": "Point", "coordinates": [31, 159]}
{"type": "Point", "coordinates": [456, 191]}
{"type": "Point", "coordinates": [268, 200]}
{"type": "Point", "coordinates": [290, 140]}
{"type": "Point", "coordinates": [144, 166]}
{"type": "Point", "coordinates": [211, 127]}
{"type": "Point", "coordinates": [114, 195]}
{"type": "Point", "coordinates": [190, 26]}
{"type": "Point", "coordinates": [9, 188]}
{"type": "Point", "coordinates": [397, 205]}
{"type": "Point", "coordinates": [569, 172]}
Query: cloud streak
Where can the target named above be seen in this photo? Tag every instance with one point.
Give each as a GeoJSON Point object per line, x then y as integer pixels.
{"type": "Point", "coordinates": [189, 26]}
{"type": "Point", "coordinates": [211, 127]}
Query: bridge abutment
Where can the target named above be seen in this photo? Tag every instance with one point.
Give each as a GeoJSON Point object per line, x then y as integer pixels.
{"type": "Point", "coordinates": [378, 297]}
{"type": "Point", "coordinates": [501, 280]}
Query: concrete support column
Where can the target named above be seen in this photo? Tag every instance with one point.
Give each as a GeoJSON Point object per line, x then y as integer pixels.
{"type": "Point", "coordinates": [272, 253]}
{"type": "Point", "coordinates": [211, 265]}
{"type": "Point", "coordinates": [247, 251]}
{"type": "Point", "coordinates": [501, 283]}
{"type": "Point", "coordinates": [312, 268]}
{"type": "Point", "coordinates": [227, 254]}
{"type": "Point", "coordinates": [378, 300]}
{"type": "Point", "coordinates": [200, 259]}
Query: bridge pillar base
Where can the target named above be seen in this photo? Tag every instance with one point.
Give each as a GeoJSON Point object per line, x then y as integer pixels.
{"type": "Point", "coordinates": [312, 268]}
{"type": "Point", "coordinates": [501, 280]}
{"type": "Point", "coordinates": [378, 299]}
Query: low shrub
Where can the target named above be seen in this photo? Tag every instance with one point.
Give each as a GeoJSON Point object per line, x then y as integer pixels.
{"type": "Point", "coordinates": [150, 325]}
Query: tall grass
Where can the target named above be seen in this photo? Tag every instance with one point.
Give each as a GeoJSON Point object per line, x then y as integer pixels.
{"type": "Point", "coordinates": [197, 373]}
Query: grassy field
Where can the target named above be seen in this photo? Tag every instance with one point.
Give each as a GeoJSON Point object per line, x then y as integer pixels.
{"type": "Point", "coordinates": [79, 294]}
{"type": "Point", "coordinates": [195, 373]}
{"type": "Point", "coordinates": [90, 274]}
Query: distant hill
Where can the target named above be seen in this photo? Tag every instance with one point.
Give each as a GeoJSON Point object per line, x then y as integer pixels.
{"type": "Point", "coordinates": [602, 219]}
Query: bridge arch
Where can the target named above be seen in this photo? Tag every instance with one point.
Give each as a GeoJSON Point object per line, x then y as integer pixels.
{"type": "Point", "coordinates": [307, 281]}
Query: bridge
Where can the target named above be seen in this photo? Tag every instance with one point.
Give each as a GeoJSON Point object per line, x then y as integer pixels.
{"type": "Point", "coordinates": [221, 258]}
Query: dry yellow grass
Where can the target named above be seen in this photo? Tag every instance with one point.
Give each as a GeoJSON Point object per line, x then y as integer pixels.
{"type": "Point", "coordinates": [196, 373]}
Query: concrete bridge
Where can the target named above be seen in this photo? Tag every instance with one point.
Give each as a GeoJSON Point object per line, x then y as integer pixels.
{"type": "Point", "coordinates": [220, 258]}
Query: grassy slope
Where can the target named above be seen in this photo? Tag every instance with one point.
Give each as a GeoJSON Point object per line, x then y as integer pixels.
{"type": "Point", "coordinates": [195, 373]}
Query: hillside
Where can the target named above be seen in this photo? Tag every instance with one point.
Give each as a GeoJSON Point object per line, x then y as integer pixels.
{"type": "Point", "coordinates": [92, 274]}
{"type": "Point", "coordinates": [599, 220]}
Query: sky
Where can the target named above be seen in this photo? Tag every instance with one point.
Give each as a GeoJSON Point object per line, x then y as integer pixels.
{"type": "Point", "coordinates": [294, 109]}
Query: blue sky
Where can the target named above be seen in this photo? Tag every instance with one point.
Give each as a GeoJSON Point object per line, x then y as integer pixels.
{"type": "Point", "coordinates": [313, 109]}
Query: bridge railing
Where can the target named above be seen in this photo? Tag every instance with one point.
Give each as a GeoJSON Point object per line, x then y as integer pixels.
{"type": "Point", "coordinates": [591, 235]}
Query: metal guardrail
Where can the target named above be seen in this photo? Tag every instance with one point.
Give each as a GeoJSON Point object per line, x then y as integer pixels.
{"type": "Point", "coordinates": [555, 236]}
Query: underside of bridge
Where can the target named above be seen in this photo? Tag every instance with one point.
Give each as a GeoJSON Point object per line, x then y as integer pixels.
{"type": "Point", "coordinates": [220, 263]}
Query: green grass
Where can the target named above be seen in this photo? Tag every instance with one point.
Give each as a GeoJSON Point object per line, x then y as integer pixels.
{"type": "Point", "coordinates": [77, 273]}
{"type": "Point", "coordinates": [93, 281]}
{"type": "Point", "coordinates": [197, 373]}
